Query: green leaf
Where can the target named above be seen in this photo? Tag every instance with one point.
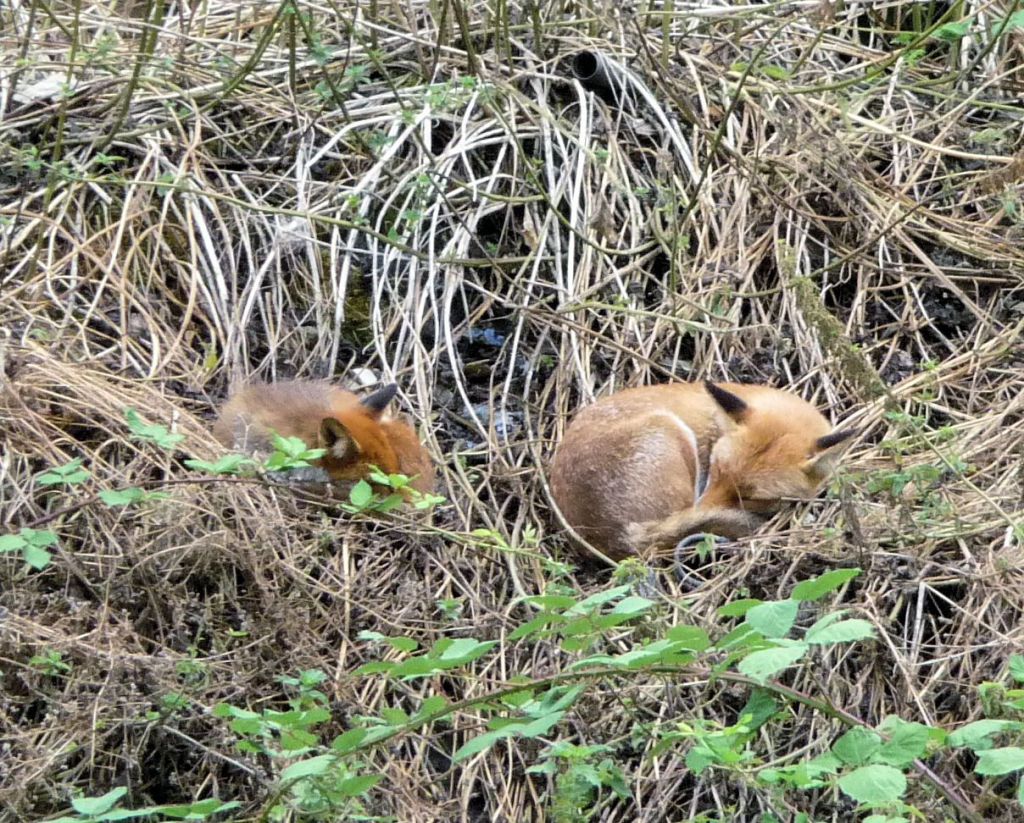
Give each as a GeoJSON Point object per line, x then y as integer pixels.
{"type": "Point", "coordinates": [826, 763]}
{"type": "Point", "coordinates": [39, 537]}
{"type": "Point", "coordinates": [857, 746]}
{"type": "Point", "coordinates": [377, 667]}
{"type": "Point", "coordinates": [742, 637]}
{"type": "Point", "coordinates": [230, 464]}
{"type": "Point", "coordinates": [737, 608]}
{"type": "Point", "coordinates": [761, 706]}
{"type": "Point", "coordinates": [689, 637]}
{"type": "Point", "coordinates": [1017, 660]}
{"type": "Point", "coordinates": [951, 32]}
{"type": "Point", "coordinates": [308, 768]}
{"type": "Point", "coordinates": [775, 72]}
{"type": "Point", "coordinates": [480, 743]}
{"type": "Point", "coordinates": [99, 805]}
{"type": "Point", "coordinates": [599, 599]}
{"type": "Point", "coordinates": [843, 631]}
{"type": "Point", "coordinates": [128, 814]}
{"type": "Point", "coordinates": [1015, 22]}
{"type": "Point", "coordinates": [540, 725]}
{"type": "Point", "coordinates": [534, 625]}
{"type": "Point", "coordinates": [361, 494]}
{"type": "Point", "coordinates": [70, 474]}
{"type": "Point", "coordinates": [587, 774]}
{"type": "Point", "coordinates": [348, 741]}
{"type": "Point", "coordinates": [773, 619]}
{"type": "Point", "coordinates": [552, 601]}
{"type": "Point", "coordinates": [200, 810]}
{"type": "Point", "coordinates": [1000, 761]}
{"type": "Point", "coordinates": [632, 606]}
{"type": "Point", "coordinates": [394, 716]}
{"type": "Point", "coordinates": [12, 543]}
{"type": "Point", "coordinates": [358, 785]}
{"type": "Point", "coordinates": [246, 726]}
{"type": "Point", "coordinates": [31, 543]}
{"type": "Point", "coordinates": [818, 587]}
{"type": "Point", "coordinates": [122, 497]}
{"type": "Point", "coordinates": [978, 735]}
{"type": "Point", "coordinates": [874, 785]}
{"type": "Point", "coordinates": [907, 742]}
{"type": "Point", "coordinates": [292, 740]}
{"type": "Point", "coordinates": [152, 433]}
{"type": "Point", "coordinates": [36, 557]}
{"type": "Point", "coordinates": [763, 664]}
{"type": "Point", "coordinates": [431, 705]}
{"type": "Point", "coordinates": [465, 649]}
{"type": "Point", "coordinates": [699, 758]}
{"type": "Point", "coordinates": [660, 651]}
{"type": "Point", "coordinates": [534, 728]}
{"type": "Point", "coordinates": [402, 644]}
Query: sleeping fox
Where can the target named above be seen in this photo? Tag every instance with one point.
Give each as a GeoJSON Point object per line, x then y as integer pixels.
{"type": "Point", "coordinates": [355, 432]}
{"type": "Point", "coordinates": [643, 468]}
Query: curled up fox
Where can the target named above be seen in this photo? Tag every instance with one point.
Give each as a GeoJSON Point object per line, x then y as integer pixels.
{"type": "Point", "coordinates": [643, 468]}
{"type": "Point", "coordinates": [355, 432]}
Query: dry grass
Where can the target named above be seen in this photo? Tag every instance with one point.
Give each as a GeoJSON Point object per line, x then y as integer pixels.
{"type": "Point", "coordinates": [230, 190]}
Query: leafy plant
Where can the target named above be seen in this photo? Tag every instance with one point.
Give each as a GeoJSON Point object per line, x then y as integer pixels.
{"type": "Point", "coordinates": [70, 474]}
{"type": "Point", "coordinates": [228, 464]}
{"type": "Point", "coordinates": [130, 496]}
{"type": "Point", "coordinates": [398, 489]}
{"type": "Point", "coordinates": [578, 778]}
{"type": "Point", "coordinates": [106, 808]}
{"type": "Point", "coordinates": [291, 453]}
{"type": "Point", "coordinates": [153, 433]}
{"type": "Point", "coordinates": [49, 662]}
{"type": "Point", "coordinates": [325, 786]}
{"type": "Point", "coordinates": [33, 545]}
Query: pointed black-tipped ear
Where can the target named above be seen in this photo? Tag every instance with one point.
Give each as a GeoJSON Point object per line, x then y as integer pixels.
{"type": "Point", "coordinates": [732, 405]}
{"type": "Point", "coordinates": [378, 401]}
{"type": "Point", "coordinates": [833, 439]}
{"type": "Point", "coordinates": [337, 439]}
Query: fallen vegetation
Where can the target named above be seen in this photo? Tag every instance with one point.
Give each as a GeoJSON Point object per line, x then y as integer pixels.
{"type": "Point", "coordinates": [820, 196]}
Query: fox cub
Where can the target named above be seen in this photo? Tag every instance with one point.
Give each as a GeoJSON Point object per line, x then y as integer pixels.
{"type": "Point", "coordinates": [643, 468]}
{"type": "Point", "coordinates": [355, 432]}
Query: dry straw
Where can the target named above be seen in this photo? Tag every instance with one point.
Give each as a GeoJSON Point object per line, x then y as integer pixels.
{"type": "Point", "coordinates": [194, 194]}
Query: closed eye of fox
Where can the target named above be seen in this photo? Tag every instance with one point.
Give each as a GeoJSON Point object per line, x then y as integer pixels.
{"type": "Point", "coordinates": [643, 468]}
{"type": "Point", "coordinates": [355, 432]}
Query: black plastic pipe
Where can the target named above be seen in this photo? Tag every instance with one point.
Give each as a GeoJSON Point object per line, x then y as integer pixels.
{"type": "Point", "coordinates": [600, 75]}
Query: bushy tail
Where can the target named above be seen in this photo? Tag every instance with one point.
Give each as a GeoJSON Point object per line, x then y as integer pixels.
{"type": "Point", "coordinates": [665, 533]}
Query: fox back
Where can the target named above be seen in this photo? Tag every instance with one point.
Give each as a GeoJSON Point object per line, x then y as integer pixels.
{"type": "Point", "coordinates": [356, 432]}
{"type": "Point", "coordinates": [645, 467]}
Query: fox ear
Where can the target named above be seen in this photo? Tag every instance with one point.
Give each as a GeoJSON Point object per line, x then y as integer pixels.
{"type": "Point", "coordinates": [378, 401]}
{"type": "Point", "coordinates": [836, 438]}
{"type": "Point", "coordinates": [826, 449]}
{"type": "Point", "coordinates": [732, 405]}
{"type": "Point", "coordinates": [337, 439]}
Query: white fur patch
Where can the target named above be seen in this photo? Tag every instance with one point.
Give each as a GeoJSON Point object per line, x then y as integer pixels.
{"type": "Point", "coordinates": [700, 481]}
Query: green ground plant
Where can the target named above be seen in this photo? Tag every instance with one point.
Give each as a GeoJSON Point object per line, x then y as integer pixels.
{"type": "Point", "coordinates": [611, 635]}
{"type": "Point", "coordinates": [823, 196]}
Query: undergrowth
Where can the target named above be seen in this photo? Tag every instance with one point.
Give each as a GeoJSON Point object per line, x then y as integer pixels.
{"type": "Point", "coordinates": [821, 197]}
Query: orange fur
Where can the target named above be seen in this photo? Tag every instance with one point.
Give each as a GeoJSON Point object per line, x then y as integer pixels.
{"type": "Point", "coordinates": [626, 474]}
{"type": "Point", "coordinates": [355, 432]}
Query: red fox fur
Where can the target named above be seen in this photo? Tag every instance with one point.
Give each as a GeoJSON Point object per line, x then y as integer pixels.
{"type": "Point", "coordinates": [355, 432]}
{"type": "Point", "coordinates": [643, 468]}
